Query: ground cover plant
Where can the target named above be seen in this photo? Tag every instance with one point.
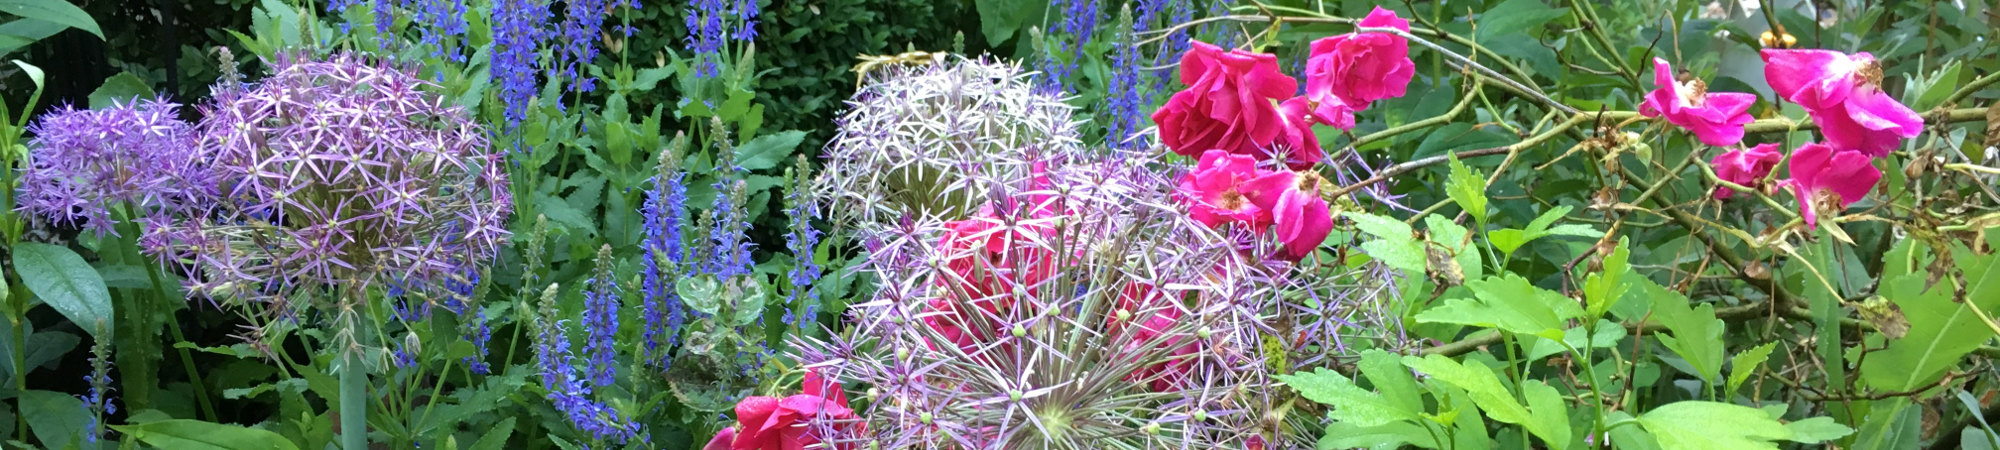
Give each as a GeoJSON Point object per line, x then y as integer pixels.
{"type": "Point", "coordinates": [887, 224]}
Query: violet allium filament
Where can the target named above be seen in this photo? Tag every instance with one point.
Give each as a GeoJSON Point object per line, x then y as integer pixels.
{"type": "Point", "coordinates": [89, 163]}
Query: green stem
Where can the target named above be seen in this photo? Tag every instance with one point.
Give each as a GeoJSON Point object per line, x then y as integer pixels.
{"type": "Point", "coordinates": [16, 316]}
{"type": "Point", "coordinates": [173, 323]}
{"type": "Point", "coordinates": [353, 402]}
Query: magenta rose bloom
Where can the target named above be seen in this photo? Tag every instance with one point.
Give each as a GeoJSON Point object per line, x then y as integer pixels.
{"type": "Point", "coordinates": [1746, 167]}
{"type": "Point", "coordinates": [1220, 190]}
{"type": "Point", "coordinates": [1302, 217]}
{"type": "Point", "coordinates": [1298, 146]}
{"type": "Point", "coordinates": [1229, 103]}
{"type": "Point", "coordinates": [1715, 118]}
{"type": "Point", "coordinates": [768, 423]}
{"type": "Point", "coordinates": [1843, 93]}
{"type": "Point", "coordinates": [1346, 73]}
{"type": "Point", "coordinates": [1828, 180]}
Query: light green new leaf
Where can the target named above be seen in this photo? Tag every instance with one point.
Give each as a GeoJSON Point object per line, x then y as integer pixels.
{"type": "Point", "coordinates": [1468, 189]}
{"type": "Point", "coordinates": [1942, 330]}
{"type": "Point", "coordinates": [1699, 425]}
{"type": "Point", "coordinates": [1509, 303]}
{"type": "Point", "coordinates": [1509, 240]}
{"type": "Point", "coordinates": [1453, 239]}
{"type": "Point", "coordinates": [1547, 417]}
{"type": "Point", "coordinates": [1478, 381]}
{"type": "Point", "coordinates": [1351, 404]}
{"type": "Point", "coordinates": [1746, 363]}
{"type": "Point", "coordinates": [1343, 435]}
{"type": "Point", "coordinates": [185, 434]}
{"type": "Point", "coordinates": [61, 279]}
{"type": "Point", "coordinates": [1379, 226]}
{"type": "Point", "coordinates": [1603, 289]}
{"type": "Point", "coordinates": [1696, 333]}
{"type": "Point", "coordinates": [58, 12]}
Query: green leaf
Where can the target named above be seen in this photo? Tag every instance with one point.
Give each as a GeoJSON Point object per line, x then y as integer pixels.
{"type": "Point", "coordinates": [1891, 425]}
{"type": "Point", "coordinates": [1395, 243]}
{"type": "Point", "coordinates": [1385, 371]}
{"type": "Point", "coordinates": [58, 12]}
{"type": "Point", "coordinates": [1509, 303]}
{"type": "Point", "coordinates": [1942, 330]}
{"type": "Point", "coordinates": [1816, 430]}
{"type": "Point", "coordinates": [1604, 289]}
{"type": "Point", "coordinates": [767, 151]}
{"type": "Point", "coordinates": [1548, 418]}
{"type": "Point", "coordinates": [1515, 16]}
{"type": "Point", "coordinates": [1351, 404]}
{"type": "Point", "coordinates": [1696, 333]}
{"type": "Point", "coordinates": [1746, 363]}
{"type": "Point", "coordinates": [123, 88]}
{"type": "Point", "coordinates": [186, 434]}
{"type": "Point", "coordinates": [701, 293]}
{"type": "Point", "coordinates": [1478, 381]}
{"type": "Point", "coordinates": [1467, 188]}
{"type": "Point", "coordinates": [1453, 238]}
{"type": "Point", "coordinates": [57, 419]}
{"type": "Point", "coordinates": [999, 20]}
{"type": "Point", "coordinates": [1629, 437]}
{"type": "Point", "coordinates": [496, 438]}
{"type": "Point", "coordinates": [1710, 425]}
{"type": "Point", "coordinates": [60, 278]}
{"type": "Point", "coordinates": [1343, 435]}
{"type": "Point", "coordinates": [22, 32]}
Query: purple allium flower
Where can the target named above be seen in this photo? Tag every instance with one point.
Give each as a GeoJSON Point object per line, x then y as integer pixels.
{"type": "Point", "coordinates": [1112, 313]}
{"type": "Point", "coordinates": [663, 214]}
{"type": "Point", "coordinates": [87, 164]}
{"type": "Point", "coordinates": [568, 392]}
{"type": "Point", "coordinates": [517, 40]}
{"type": "Point", "coordinates": [600, 319]}
{"type": "Point", "coordinates": [344, 172]}
{"type": "Point", "coordinates": [935, 141]}
{"type": "Point", "coordinates": [582, 21]}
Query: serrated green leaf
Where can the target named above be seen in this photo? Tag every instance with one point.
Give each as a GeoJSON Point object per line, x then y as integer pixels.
{"type": "Point", "coordinates": [1467, 188]}
{"type": "Point", "coordinates": [496, 438]}
{"type": "Point", "coordinates": [767, 151]}
{"type": "Point", "coordinates": [1548, 418]}
{"type": "Point", "coordinates": [1816, 430]}
{"type": "Point", "coordinates": [1478, 381]}
{"type": "Point", "coordinates": [1405, 255]}
{"type": "Point", "coordinates": [1746, 363]}
{"type": "Point", "coordinates": [1453, 238]}
{"type": "Point", "coordinates": [1696, 333]}
{"type": "Point", "coordinates": [1942, 330]}
{"type": "Point", "coordinates": [1343, 435]}
{"type": "Point", "coordinates": [1379, 226]}
{"type": "Point", "coordinates": [1351, 404]}
{"type": "Point", "coordinates": [1700, 425]}
{"type": "Point", "coordinates": [1509, 303]}
{"type": "Point", "coordinates": [1603, 289]}
{"type": "Point", "coordinates": [1507, 240]}
{"type": "Point", "coordinates": [1385, 371]}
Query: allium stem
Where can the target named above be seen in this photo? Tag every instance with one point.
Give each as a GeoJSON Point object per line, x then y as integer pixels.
{"type": "Point", "coordinates": [353, 398]}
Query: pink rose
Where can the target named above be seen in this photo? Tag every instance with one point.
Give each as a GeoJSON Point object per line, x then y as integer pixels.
{"type": "Point", "coordinates": [766, 423]}
{"type": "Point", "coordinates": [1828, 180]}
{"type": "Point", "coordinates": [1154, 314]}
{"type": "Point", "coordinates": [1746, 167]}
{"type": "Point", "coordinates": [1346, 73]}
{"type": "Point", "coordinates": [1221, 187]}
{"type": "Point", "coordinates": [1843, 93]}
{"type": "Point", "coordinates": [1229, 103]}
{"type": "Point", "coordinates": [722, 440]}
{"type": "Point", "coordinates": [987, 260]}
{"type": "Point", "coordinates": [1298, 145]}
{"type": "Point", "coordinates": [1715, 118]}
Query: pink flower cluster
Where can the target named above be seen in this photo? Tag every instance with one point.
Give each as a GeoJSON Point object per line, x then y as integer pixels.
{"type": "Point", "coordinates": [1239, 109]}
{"type": "Point", "coordinates": [1843, 95]}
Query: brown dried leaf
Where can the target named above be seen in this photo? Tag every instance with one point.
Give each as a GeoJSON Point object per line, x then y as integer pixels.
{"type": "Point", "coordinates": [1886, 316]}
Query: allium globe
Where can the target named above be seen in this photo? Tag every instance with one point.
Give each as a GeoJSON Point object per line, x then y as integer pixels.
{"type": "Point", "coordinates": [337, 174]}
{"type": "Point", "coordinates": [88, 163]}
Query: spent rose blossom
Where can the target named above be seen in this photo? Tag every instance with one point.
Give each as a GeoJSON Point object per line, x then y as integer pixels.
{"type": "Point", "coordinates": [1746, 167]}
{"type": "Point", "coordinates": [769, 423]}
{"type": "Point", "coordinates": [1715, 118]}
{"type": "Point", "coordinates": [1346, 73]}
{"type": "Point", "coordinates": [1843, 94]}
{"type": "Point", "coordinates": [1827, 180]}
{"type": "Point", "coordinates": [1229, 103]}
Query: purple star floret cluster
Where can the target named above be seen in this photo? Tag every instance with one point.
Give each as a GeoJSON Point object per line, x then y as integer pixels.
{"type": "Point", "coordinates": [343, 171]}
{"type": "Point", "coordinates": [89, 163]}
